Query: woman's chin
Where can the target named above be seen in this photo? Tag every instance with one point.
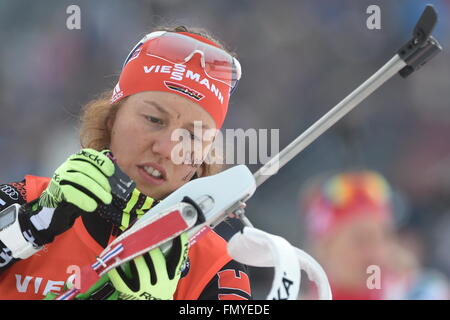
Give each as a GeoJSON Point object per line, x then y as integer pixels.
{"type": "Point", "coordinates": [151, 191]}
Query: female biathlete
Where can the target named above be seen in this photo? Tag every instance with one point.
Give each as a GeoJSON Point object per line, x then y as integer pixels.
{"type": "Point", "coordinates": [171, 79]}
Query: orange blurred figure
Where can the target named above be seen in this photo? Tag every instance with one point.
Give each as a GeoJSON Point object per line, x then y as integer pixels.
{"type": "Point", "coordinates": [350, 228]}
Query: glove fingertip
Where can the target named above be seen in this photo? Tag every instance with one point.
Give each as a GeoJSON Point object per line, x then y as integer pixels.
{"type": "Point", "coordinates": [108, 199]}
{"type": "Point", "coordinates": [79, 199]}
{"type": "Point", "coordinates": [87, 206]}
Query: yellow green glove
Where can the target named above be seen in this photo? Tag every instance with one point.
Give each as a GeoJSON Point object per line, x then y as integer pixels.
{"type": "Point", "coordinates": [151, 276]}
{"type": "Point", "coordinates": [101, 290]}
{"type": "Point", "coordinates": [81, 180]}
{"type": "Point", "coordinates": [79, 185]}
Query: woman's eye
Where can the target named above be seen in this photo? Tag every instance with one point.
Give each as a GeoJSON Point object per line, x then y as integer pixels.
{"type": "Point", "coordinates": [154, 120]}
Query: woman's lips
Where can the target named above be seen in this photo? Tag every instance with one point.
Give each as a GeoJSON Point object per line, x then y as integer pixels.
{"type": "Point", "coordinates": [150, 178]}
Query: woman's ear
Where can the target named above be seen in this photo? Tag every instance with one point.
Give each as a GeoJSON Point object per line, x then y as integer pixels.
{"type": "Point", "coordinates": [111, 118]}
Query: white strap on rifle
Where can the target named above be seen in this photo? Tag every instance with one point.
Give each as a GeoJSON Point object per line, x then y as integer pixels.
{"type": "Point", "coordinates": [257, 248]}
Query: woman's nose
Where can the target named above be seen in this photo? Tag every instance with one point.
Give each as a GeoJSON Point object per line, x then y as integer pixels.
{"type": "Point", "coordinates": [164, 144]}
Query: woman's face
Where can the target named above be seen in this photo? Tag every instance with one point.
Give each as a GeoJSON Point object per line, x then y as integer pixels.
{"type": "Point", "coordinates": [143, 144]}
{"type": "Point", "coordinates": [353, 247]}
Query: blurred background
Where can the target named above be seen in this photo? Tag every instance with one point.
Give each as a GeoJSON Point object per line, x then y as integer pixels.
{"type": "Point", "coordinates": [299, 59]}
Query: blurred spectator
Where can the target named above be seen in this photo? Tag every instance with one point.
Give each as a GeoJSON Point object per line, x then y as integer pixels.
{"type": "Point", "coordinates": [351, 230]}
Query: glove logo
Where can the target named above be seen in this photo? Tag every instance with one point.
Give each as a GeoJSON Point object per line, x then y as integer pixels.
{"type": "Point", "coordinates": [148, 296]}
{"type": "Point", "coordinates": [93, 157]}
{"type": "Point", "coordinates": [143, 296]}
